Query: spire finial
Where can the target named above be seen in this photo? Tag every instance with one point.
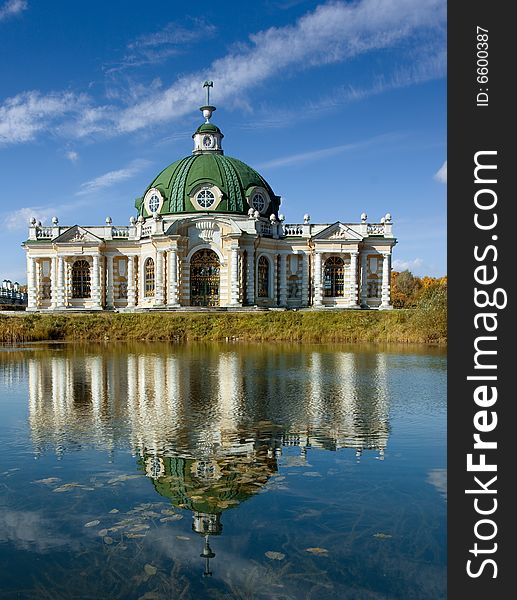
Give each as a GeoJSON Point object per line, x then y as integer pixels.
{"type": "Point", "coordinates": [207, 110]}
{"type": "Point", "coordinates": [208, 85]}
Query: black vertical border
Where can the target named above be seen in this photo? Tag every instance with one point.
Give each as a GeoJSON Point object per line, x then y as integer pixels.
{"type": "Point", "coordinates": [471, 129]}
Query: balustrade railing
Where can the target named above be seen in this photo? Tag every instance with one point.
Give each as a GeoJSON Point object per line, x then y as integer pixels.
{"type": "Point", "coordinates": [293, 230]}
{"type": "Point", "coordinates": [120, 232]}
{"type": "Point", "coordinates": [44, 233]}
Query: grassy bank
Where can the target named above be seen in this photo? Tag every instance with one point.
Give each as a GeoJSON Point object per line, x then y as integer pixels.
{"type": "Point", "coordinates": [406, 326]}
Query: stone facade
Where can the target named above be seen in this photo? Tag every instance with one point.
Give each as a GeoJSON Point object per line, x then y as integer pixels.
{"type": "Point", "coordinates": [254, 262]}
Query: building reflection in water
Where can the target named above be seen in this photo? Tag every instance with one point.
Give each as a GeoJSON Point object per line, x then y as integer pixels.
{"type": "Point", "coordinates": [208, 425]}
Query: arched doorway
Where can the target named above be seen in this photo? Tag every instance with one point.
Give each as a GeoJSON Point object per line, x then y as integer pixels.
{"type": "Point", "coordinates": [334, 277]}
{"type": "Point", "coordinates": [81, 279]}
{"type": "Point", "coordinates": [204, 278]}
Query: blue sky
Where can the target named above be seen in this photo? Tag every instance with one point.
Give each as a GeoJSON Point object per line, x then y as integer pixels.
{"type": "Point", "coordinates": [340, 105]}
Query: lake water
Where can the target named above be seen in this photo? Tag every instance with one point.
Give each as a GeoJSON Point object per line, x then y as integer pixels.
{"type": "Point", "coordinates": [222, 471]}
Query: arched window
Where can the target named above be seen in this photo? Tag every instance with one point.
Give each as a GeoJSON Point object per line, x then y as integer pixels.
{"type": "Point", "coordinates": [149, 277]}
{"type": "Point", "coordinates": [263, 278]}
{"type": "Point", "coordinates": [81, 279]}
{"type": "Point", "coordinates": [334, 277]}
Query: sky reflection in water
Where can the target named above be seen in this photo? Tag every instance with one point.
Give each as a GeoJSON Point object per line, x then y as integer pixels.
{"type": "Point", "coordinates": [208, 471]}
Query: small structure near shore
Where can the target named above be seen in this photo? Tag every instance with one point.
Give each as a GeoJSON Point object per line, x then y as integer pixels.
{"type": "Point", "coordinates": [11, 294]}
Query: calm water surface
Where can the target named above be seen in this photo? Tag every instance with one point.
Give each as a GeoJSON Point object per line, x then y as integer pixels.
{"type": "Point", "coordinates": [222, 471]}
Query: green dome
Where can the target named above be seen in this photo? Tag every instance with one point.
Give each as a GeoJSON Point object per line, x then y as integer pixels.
{"type": "Point", "coordinates": [235, 180]}
{"type": "Point", "coordinates": [239, 479]}
{"type": "Point", "coordinates": [207, 128]}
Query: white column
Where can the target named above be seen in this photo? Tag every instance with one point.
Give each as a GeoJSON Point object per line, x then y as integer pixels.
{"type": "Point", "coordinates": [109, 282]}
{"type": "Point", "coordinates": [130, 282]}
{"type": "Point", "coordinates": [283, 280]}
{"type": "Point", "coordinates": [353, 280]}
{"type": "Point", "coordinates": [318, 288]}
{"type": "Point", "coordinates": [67, 282]}
{"type": "Point", "coordinates": [250, 284]}
{"type": "Point", "coordinates": [158, 292]}
{"type": "Point", "coordinates": [31, 284]}
{"type": "Point", "coordinates": [364, 279]}
{"type": "Point", "coordinates": [60, 294]}
{"type": "Point", "coordinates": [385, 295]}
{"type": "Point", "coordinates": [37, 277]}
{"type": "Point", "coordinates": [53, 282]}
{"type": "Point", "coordinates": [234, 276]}
{"type": "Point", "coordinates": [304, 300]}
{"type": "Point", "coordinates": [173, 277]}
{"type": "Point", "coordinates": [96, 282]}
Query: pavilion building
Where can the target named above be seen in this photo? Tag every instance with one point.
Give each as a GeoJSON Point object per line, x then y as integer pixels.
{"type": "Point", "coordinates": [208, 233]}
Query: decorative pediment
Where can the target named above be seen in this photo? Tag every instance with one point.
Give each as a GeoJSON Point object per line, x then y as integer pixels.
{"type": "Point", "coordinates": [338, 231]}
{"type": "Point", "coordinates": [77, 234]}
{"type": "Point", "coordinates": [205, 223]}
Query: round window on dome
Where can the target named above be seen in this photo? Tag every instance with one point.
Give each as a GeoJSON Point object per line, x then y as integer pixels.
{"type": "Point", "coordinates": [205, 198]}
{"type": "Point", "coordinates": [154, 203]}
{"type": "Point", "coordinates": [258, 202]}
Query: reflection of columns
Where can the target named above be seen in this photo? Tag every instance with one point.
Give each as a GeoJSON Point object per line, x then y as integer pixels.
{"type": "Point", "coordinates": [234, 276]}
{"type": "Point", "coordinates": [130, 281]}
{"type": "Point", "coordinates": [283, 280]}
{"type": "Point", "coordinates": [385, 296]}
{"type": "Point", "coordinates": [353, 280]}
{"type": "Point", "coordinates": [31, 284]}
{"type": "Point", "coordinates": [96, 288]}
{"type": "Point", "coordinates": [318, 292]}
{"type": "Point", "coordinates": [158, 294]}
{"type": "Point", "coordinates": [250, 284]}
{"type": "Point", "coordinates": [173, 277]}
{"type": "Point", "coordinates": [364, 279]}
{"type": "Point", "coordinates": [109, 281]}
{"type": "Point", "coordinates": [229, 392]}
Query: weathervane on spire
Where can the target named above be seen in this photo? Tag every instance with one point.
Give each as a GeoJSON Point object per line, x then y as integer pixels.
{"type": "Point", "coordinates": [208, 109]}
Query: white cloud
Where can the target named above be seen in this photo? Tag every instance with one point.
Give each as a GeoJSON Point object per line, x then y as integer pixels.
{"type": "Point", "coordinates": [413, 265]}
{"type": "Point", "coordinates": [72, 156]}
{"type": "Point", "coordinates": [333, 32]}
{"type": "Point", "coordinates": [27, 114]}
{"type": "Point", "coordinates": [12, 8]}
{"type": "Point", "coordinates": [19, 219]}
{"type": "Point", "coordinates": [441, 174]}
{"type": "Point", "coordinates": [113, 177]}
{"type": "Point", "coordinates": [438, 479]}
{"type": "Point", "coordinates": [28, 530]}
{"type": "Point", "coordinates": [156, 47]}
{"type": "Point", "coordinates": [296, 159]}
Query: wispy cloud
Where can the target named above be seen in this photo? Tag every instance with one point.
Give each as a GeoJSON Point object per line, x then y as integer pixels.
{"type": "Point", "coordinates": [19, 219]}
{"type": "Point", "coordinates": [303, 157]}
{"type": "Point", "coordinates": [112, 177]}
{"type": "Point", "coordinates": [23, 116]}
{"type": "Point", "coordinates": [441, 174]}
{"type": "Point", "coordinates": [156, 47]}
{"type": "Point", "coordinates": [12, 8]}
{"type": "Point", "coordinates": [72, 156]}
{"type": "Point", "coordinates": [413, 265]}
{"type": "Point", "coordinates": [334, 32]}
{"type": "Point", "coordinates": [438, 479]}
